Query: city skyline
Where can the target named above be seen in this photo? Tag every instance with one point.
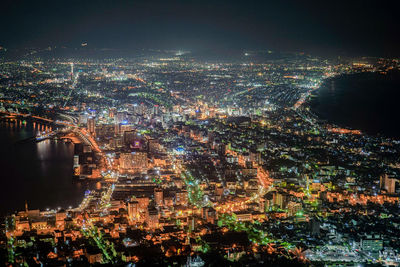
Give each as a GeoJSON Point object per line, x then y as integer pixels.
{"type": "Point", "coordinates": [199, 133]}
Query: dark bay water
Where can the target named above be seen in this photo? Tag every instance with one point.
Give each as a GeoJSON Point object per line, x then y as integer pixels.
{"type": "Point", "coordinates": [39, 173]}
{"type": "Point", "coordinates": [366, 101]}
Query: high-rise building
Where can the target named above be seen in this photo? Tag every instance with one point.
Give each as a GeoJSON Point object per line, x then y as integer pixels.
{"type": "Point", "coordinates": [117, 129]}
{"type": "Point", "coordinates": [83, 118]}
{"type": "Point", "coordinates": [133, 210]}
{"type": "Point", "coordinates": [143, 203]}
{"type": "Point", "coordinates": [125, 161]}
{"type": "Point", "coordinates": [76, 160]}
{"type": "Point", "coordinates": [279, 200]}
{"type": "Point", "coordinates": [152, 220]}
{"type": "Point", "coordinates": [139, 160]}
{"type": "Point", "coordinates": [158, 196]}
{"type": "Point", "coordinates": [181, 198]}
{"type": "Point", "coordinates": [129, 137]}
{"type": "Point", "coordinates": [91, 126]}
{"type": "Point", "coordinates": [192, 223]}
{"type": "Point", "coordinates": [388, 183]}
{"type": "Point", "coordinates": [261, 205]}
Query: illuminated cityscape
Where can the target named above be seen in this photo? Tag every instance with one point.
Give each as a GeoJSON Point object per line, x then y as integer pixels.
{"type": "Point", "coordinates": [184, 160]}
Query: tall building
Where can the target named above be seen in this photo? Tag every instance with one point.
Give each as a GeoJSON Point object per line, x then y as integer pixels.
{"type": "Point", "coordinates": [133, 210]}
{"type": "Point", "coordinates": [388, 183]}
{"type": "Point", "coordinates": [91, 126]}
{"type": "Point", "coordinates": [143, 203]}
{"type": "Point", "coordinates": [125, 161]}
{"type": "Point", "coordinates": [152, 219]}
{"type": "Point", "coordinates": [181, 198]}
{"type": "Point", "coordinates": [280, 200]}
{"type": "Point", "coordinates": [83, 118]}
{"type": "Point", "coordinates": [117, 129]}
{"type": "Point", "coordinates": [139, 160]}
{"type": "Point", "coordinates": [129, 137]}
{"type": "Point", "coordinates": [76, 160]}
{"type": "Point", "coordinates": [158, 196]}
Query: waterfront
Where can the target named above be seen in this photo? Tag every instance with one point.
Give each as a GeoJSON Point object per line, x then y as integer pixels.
{"type": "Point", "coordinates": [364, 101]}
{"type": "Point", "coordinates": [236, 167]}
{"type": "Point", "coordinates": [39, 173]}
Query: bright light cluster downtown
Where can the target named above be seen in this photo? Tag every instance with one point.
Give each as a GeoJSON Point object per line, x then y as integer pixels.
{"type": "Point", "coordinates": [190, 157]}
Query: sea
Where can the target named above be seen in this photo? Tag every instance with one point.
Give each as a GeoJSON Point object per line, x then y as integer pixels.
{"type": "Point", "coordinates": [37, 173]}
{"type": "Point", "coordinates": [366, 101]}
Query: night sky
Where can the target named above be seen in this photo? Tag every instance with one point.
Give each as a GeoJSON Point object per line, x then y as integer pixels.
{"type": "Point", "coordinates": [330, 27]}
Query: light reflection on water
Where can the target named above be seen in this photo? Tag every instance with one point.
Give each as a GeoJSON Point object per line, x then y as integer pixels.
{"type": "Point", "coordinates": [39, 173]}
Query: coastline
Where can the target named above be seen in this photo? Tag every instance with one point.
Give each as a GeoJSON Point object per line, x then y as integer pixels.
{"type": "Point", "coordinates": [50, 163]}
{"type": "Point", "coordinates": [314, 101]}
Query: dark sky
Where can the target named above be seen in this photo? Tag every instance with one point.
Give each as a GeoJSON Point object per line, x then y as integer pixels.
{"type": "Point", "coordinates": [362, 27]}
